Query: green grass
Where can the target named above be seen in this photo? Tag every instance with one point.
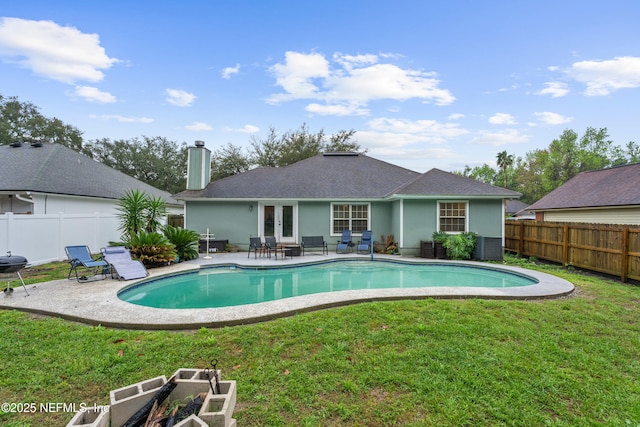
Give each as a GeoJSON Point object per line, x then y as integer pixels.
{"type": "Point", "coordinates": [573, 361]}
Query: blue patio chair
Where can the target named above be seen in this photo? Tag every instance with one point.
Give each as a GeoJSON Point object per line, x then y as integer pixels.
{"type": "Point", "coordinates": [345, 245]}
{"type": "Point", "coordinates": [80, 258]}
{"type": "Point", "coordinates": [365, 242]}
{"type": "Point", "coordinates": [122, 265]}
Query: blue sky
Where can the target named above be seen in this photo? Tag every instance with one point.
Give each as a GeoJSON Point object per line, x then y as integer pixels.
{"type": "Point", "coordinates": [423, 83]}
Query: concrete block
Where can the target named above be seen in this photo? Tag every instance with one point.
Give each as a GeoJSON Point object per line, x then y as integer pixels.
{"type": "Point", "coordinates": [91, 418]}
{"type": "Point", "coordinates": [217, 409]}
{"type": "Point", "coordinates": [127, 400]}
{"type": "Point", "coordinates": [192, 421]}
{"type": "Point", "coordinates": [191, 382]}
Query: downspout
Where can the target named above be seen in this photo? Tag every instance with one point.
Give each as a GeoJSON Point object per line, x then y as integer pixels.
{"type": "Point", "coordinates": [19, 197]}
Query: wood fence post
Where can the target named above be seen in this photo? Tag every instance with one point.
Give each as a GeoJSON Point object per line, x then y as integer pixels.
{"type": "Point", "coordinates": [565, 245]}
{"type": "Point", "coordinates": [624, 265]}
{"type": "Point", "coordinates": [521, 239]}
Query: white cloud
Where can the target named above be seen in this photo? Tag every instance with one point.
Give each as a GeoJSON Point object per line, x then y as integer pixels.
{"type": "Point", "coordinates": [604, 77]}
{"type": "Point", "coordinates": [123, 119]}
{"type": "Point", "coordinates": [509, 136]}
{"type": "Point", "coordinates": [198, 127]}
{"type": "Point", "coordinates": [53, 51]}
{"type": "Point", "coordinates": [337, 110]}
{"type": "Point", "coordinates": [502, 119]}
{"type": "Point", "coordinates": [180, 98]}
{"type": "Point", "coordinates": [555, 89]}
{"type": "Point", "coordinates": [229, 71]}
{"type": "Point", "coordinates": [350, 82]}
{"type": "Point", "coordinates": [456, 116]}
{"type": "Point", "coordinates": [93, 94]}
{"type": "Point", "coordinates": [249, 129]}
{"type": "Point", "coordinates": [549, 118]}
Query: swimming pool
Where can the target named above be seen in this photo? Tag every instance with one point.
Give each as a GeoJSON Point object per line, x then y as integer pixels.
{"type": "Point", "coordinates": [231, 285]}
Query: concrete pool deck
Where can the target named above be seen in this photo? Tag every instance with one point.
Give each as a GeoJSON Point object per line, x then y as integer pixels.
{"type": "Point", "coordinates": [97, 302]}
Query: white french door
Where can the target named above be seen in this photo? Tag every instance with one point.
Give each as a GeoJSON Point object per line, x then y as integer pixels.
{"type": "Point", "coordinates": [279, 220]}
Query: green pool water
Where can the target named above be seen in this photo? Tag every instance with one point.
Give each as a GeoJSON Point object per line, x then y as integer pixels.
{"type": "Point", "coordinates": [231, 285]}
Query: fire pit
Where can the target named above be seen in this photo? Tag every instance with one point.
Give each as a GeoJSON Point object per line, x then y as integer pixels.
{"type": "Point", "coordinates": [13, 264]}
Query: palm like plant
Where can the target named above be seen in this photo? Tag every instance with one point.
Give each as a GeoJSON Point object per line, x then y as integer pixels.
{"type": "Point", "coordinates": [185, 241]}
{"type": "Point", "coordinates": [139, 212]}
{"type": "Point", "coordinates": [504, 161]}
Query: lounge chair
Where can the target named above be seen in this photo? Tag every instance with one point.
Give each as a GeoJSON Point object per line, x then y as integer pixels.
{"type": "Point", "coordinates": [80, 257]}
{"type": "Point", "coordinates": [255, 245]}
{"type": "Point", "coordinates": [121, 263]}
{"type": "Point", "coordinates": [365, 242]}
{"type": "Point", "coordinates": [345, 245]}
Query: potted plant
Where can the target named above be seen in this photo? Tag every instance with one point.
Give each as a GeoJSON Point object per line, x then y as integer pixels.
{"type": "Point", "coordinates": [439, 237]}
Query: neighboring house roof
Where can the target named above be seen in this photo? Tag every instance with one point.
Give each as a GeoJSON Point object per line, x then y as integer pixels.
{"type": "Point", "coordinates": [515, 206]}
{"type": "Point", "coordinates": [617, 186]}
{"type": "Point", "coordinates": [56, 169]}
{"type": "Point", "coordinates": [341, 176]}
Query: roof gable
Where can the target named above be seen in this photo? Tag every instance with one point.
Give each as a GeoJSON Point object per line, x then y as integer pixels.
{"type": "Point", "coordinates": [437, 182]}
{"type": "Point", "coordinates": [56, 169]}
{"type": "Point", "coordinates": [617, 186]}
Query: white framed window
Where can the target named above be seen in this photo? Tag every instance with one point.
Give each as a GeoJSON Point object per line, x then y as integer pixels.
{"type": "Point", "coordinates": [349, 216]}
{"type": "Point", "coordinates": [453, 216]}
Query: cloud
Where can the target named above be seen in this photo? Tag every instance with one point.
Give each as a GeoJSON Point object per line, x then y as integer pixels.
{"type": "Point", "coordinates": [348, 83]}
{"type": "Point", "coordinates": [604, 77]}
{"type": "Point", "coordinates": [93, 94]}
{"type": "Point", "coordinates": [555, 89]}
{"type": "Point", "coordinates": [502, 119]}
{"type": "Point", "coordinates": [509, 136]}
{"type": "Point", "coordinates": [198, 127]}
{"type": "Point", "coordinates": [229, 71]}
{"type": "Point", "coordinates": [337, 110]}
{"type": "Point", "coordinates": [248, 129]}
{"type": "Point", "coordinates": [123, 119]}
{"type": "Point", "coordinates": [549, 118]}
{"type": "Point", "coordinates": [456, 116]}
{"type": "Point", "coordinates": [180, 98]}
{"type": "Point", "coordinates": [60, 53]}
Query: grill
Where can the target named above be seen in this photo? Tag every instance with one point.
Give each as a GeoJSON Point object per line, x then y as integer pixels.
{"type": "Point", "coordinates": [13, 264]}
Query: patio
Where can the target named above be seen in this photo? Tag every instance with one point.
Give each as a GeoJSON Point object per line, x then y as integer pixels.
{"type": "Point", "coordinates": [97, 302]}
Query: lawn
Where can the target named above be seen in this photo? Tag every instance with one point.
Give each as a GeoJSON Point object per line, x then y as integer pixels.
{"type": "Point", "coordinates": [573, 361]}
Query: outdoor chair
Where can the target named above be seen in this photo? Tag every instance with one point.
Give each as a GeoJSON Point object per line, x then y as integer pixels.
{"type": "Point", "coordinates": [271, 244]}
{"type": "Point", "coordinates": [80, 258]}
{"type": "Point", "coordinates": [255, 245]}
{"type": "Point", "coordinates": [122, 265]}
{"type": "Point", "coordinates": [345, 245]}
{"type": "Point", "coordinates": [365, 242]}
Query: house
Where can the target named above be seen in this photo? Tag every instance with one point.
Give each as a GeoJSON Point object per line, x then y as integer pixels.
{"type": "Point", "coordinates": [324, 194]}
{"type": "Point", "coordinates": [517, 210]}
{"type": "Point", "coordinates": [606, 196]}
{"type": "Point", "coordinates": [52, 197]}
{"type": "Point", "coordinates": [51, 178]}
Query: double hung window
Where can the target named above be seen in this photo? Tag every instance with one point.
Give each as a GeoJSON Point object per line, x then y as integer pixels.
{"type": "Point", "coordinates": [354, 217]}
{"type": "Point", "coordinates": [452, 217]}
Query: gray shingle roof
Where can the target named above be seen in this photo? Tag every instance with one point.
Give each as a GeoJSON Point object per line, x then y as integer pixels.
{"type": "Point", "coordinates": [618, 186]}
{"type": "Point", "coordinates": [56, 169]}
{"type": "Point", "coordinates": [341, 176]}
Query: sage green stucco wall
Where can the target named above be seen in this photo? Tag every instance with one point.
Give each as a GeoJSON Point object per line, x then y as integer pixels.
{"type": "Point", "coordinates": [314, 219]}
{"type": "Point", "coordinates": [485, 217]}
{"type": "Point", "coordinates": [229, 220]}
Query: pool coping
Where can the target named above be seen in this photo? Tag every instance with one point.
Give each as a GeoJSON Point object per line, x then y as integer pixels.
{"type": "Point", "coordinates": [97, 302]}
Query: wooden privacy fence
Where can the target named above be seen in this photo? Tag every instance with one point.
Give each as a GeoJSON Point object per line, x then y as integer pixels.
{"type": "Point", "coordinates": [609, 249]}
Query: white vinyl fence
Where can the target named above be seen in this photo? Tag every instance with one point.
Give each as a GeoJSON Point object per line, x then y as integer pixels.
{"type": "Point", "coordinates": [42, 238]}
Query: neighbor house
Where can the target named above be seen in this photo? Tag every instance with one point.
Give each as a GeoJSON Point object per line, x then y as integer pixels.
{"type": "Point", "coordinates": [327, 193]}
{"type": "Point", "coordinates": [52, 197]}
{"type": "Point", "coordinates": [51, 178]}
{"type": "Point", "coordinates": [606, 196]}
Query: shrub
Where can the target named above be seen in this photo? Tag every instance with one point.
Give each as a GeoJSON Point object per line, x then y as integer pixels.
{"type": "Point", "coordinates": [185, 241]}
{"type": "Point", "coordinates": [152, 249]}
{"type": "Point", "coordinates": [461, 246]}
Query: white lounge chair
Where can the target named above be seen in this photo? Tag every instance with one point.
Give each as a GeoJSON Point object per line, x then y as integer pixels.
{"type": "Point", "coordinates": [121, 263]}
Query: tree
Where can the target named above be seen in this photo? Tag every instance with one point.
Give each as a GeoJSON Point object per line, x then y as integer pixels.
{"type": "Point", "coordinates": [229, 160]}
{"type": "Point", "coordinates": [23, 122]}
{"type": "Point", "coordinates": [155, 161]}
{"type": "Point", "coordinates": [505, 161]}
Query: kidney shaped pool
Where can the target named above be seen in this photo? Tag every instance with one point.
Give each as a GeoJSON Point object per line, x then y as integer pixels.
{"type": "Point", "coordinates": [227, 286]}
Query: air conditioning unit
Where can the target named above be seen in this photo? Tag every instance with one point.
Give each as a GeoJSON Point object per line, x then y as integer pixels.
{"type": "Point", "coordinates": [488, 249]}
